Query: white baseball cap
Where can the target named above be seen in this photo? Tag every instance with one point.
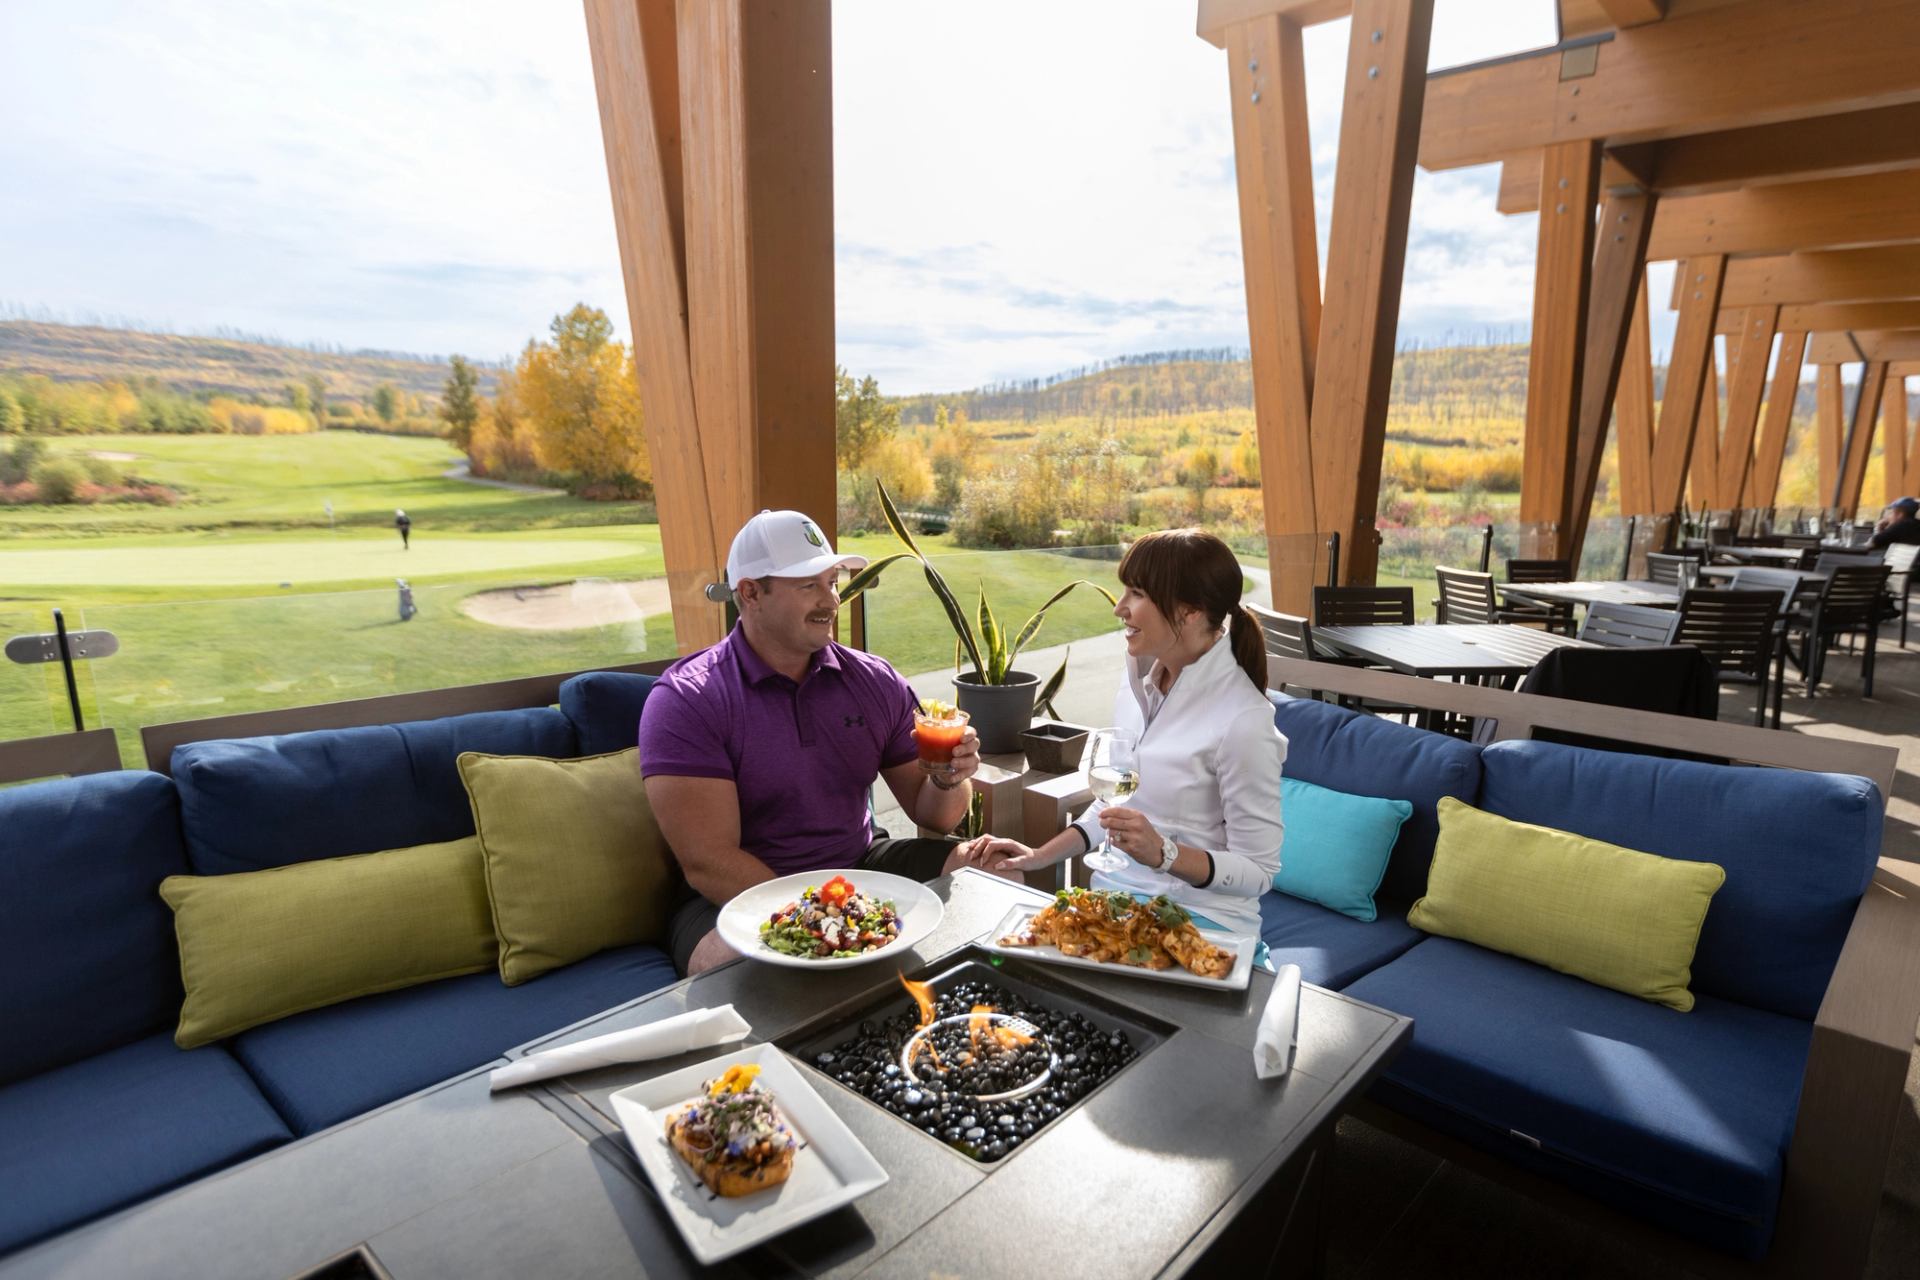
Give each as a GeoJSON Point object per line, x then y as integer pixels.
{"type": "Point", "coordinates": [783, 544]}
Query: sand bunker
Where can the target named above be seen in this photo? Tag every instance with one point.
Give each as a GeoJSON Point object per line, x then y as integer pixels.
{"type": "Point", "coordinates": [570, 606]}
{"type": "Point", "coordinates": [113, 455]}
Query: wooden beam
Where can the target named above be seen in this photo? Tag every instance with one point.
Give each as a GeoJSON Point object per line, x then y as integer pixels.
{"type": "Point", "coordinates": [1366, 258]}
{"type": "Point", "coordinates": [1893, 424]}
{"type": "Point", "coordinates": [1634, 13]}
{"type": "Point", "coordinates": [1747, 382]}
{"type": "Point", "coordinates": [1763, 485]}
{"type": "Point", "coordinates": [1858, 446]}
{"type": "Point", "coordinates": [1903, 369]}
{"type": "Point", "coordinates": [1826, 146]}
{"type": "Point", "coordinates": [1864, 344]}
{"type": "Point", "coordinates": [1887, 274]}
{"type": "Point", "coordinates": [1563, 276]}
{"type": "Point", "coordinates": [1703, 470]}
{"type": "Point", "coordinates": [1520, 181]}
{"type": "Point", "coordinates": [1634, 410]}
{"type": "Point", "coordinates": [635, 59]}
{"type": "Point", "coordinates": [1718, 68]}
{"type": "Point", "coordinates": [1829, 402]}
{"type": "Point", "coordinates": [1832, 213]}
{"type": "Point", "coordinates": [1619, 267]}
{"type": "Point", "coordinates": [1217, 18]}
{"type": "Point", "coordinates": [1273, 160]}
{"type": "Point", "coordinates": [1686, 379]}
{"type": "Point", "coordinates": [1832, 317]}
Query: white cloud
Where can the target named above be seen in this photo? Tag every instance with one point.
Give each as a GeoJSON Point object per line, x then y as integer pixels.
{"type": "Point", "coordinates": [1019, 187]}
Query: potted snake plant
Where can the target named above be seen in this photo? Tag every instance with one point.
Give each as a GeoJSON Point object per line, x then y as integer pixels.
{"type": "Point", "coordinates": [999, 699]}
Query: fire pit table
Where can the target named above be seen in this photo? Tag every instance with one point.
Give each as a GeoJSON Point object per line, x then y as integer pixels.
{"type": "Point", "coordinates": [1029, 1118]}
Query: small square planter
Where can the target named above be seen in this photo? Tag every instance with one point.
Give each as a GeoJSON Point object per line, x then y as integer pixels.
{"type": "Point", "coordinates": [1053, 747]}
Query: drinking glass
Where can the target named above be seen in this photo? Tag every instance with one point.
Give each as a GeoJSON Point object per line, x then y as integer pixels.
{"type": "Point", "coordinates": [936, 735]}
{"type": "Point", "coordinates": [1113, 773]}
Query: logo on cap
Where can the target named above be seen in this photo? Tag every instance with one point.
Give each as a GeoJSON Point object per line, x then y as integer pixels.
{"type": "Point", "coordinates": [813, 534]}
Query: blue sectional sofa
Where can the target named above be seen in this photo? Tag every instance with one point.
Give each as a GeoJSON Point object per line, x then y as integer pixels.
{"type": "Point", "coordinates": [1680, 1119]}
{"type": "Point", "coordinates": [98, 1108]}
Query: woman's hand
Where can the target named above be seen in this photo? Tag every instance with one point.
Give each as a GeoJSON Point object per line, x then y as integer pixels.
{"type": "Point", "coordinates": [997, 854]}
{"type": "Point", "coordinates": [1129, 831]}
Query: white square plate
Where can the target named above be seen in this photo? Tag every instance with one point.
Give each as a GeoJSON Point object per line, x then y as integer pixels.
{"type": "Point", "coordinates": [1016, 920]}
{"type": "Point", "coordinates": [831, 1168]}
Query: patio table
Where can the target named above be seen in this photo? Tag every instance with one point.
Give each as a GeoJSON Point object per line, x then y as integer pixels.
{"type": "Point", "coordinates": [1646, 594]}
{"type": "Point", "coordinates": [1183, 1163]}
{"type": "Point", "coordinates": [1771, 557]}
{"type": "Point", "coordinates": [1480, 652]}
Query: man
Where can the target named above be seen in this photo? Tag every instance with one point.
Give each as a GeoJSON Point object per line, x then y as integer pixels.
{"type": "Point", "coordinates": [404, 523]}
{"type": "Point", "coordinates": [1898, 524]}
{"type": "Point", "coordinates": [758, 753]}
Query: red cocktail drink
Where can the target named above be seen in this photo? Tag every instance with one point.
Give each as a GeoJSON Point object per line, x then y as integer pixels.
{"type": "Point", "coordinates": [936, 736]}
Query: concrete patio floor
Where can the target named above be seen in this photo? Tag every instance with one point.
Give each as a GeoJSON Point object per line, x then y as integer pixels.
{"type": "Point", "coordinates": [1394, 1209]}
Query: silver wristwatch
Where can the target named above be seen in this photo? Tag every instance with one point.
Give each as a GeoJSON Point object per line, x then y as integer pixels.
{"type": "Point", "coordinates": [1169, 853]}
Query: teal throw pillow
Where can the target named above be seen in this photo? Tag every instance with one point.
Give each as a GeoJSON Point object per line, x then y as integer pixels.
{"type": "Point", "coordinates": [1336, 846]}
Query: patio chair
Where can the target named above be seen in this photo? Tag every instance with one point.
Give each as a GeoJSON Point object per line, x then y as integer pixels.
{"type": "Point", "coordinates": [1290, 636]}
{"type": "Point", "coordinates": [1831, 560]}
{"type": "Point", "coordinates": [1784, 583]}
{"type": "Point", "coordinates": [1734, 629]}
{"type": "Point", "coordinates": [1467, 597]}
{"type": "Point", "coordinates": [1665, 567]}
{"type": "Point", "coordinates": [1900, 560]}
{"type": "Point", "coordinates": [1850, 603]}
{"type": "Point", "coordinates": [1362, 606]}
{"type": "Point", "coordinates": [1674, 680]}
{"type": "Point", "coordinates": [1627, 626]}
{"type": "Point", "coordinates": [1555, 617]}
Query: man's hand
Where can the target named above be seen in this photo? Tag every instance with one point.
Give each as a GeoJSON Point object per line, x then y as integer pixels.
{"type": "Point", "coordinates": [998, 855]}
{"type": "Point", "coordinates": [1129, 831]}
{"type": "Point", "coordinates": [966, 756]}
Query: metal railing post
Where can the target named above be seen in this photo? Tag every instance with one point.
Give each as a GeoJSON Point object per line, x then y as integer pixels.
{"type": "Point", "coordinates": [66, 666]}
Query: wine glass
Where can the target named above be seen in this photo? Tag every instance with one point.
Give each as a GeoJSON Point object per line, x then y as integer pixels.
{"type": "Point", "coordinates": [1113, 773]}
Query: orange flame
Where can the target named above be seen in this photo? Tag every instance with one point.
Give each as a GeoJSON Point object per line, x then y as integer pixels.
{"type": "Point", "coordinates": [980, 1024]}
{"type": "Point", "coordinates": [922, 993]}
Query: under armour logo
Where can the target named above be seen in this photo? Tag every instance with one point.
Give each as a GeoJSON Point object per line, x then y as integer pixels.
{"type": "Point", "coordinates": [851, 721]}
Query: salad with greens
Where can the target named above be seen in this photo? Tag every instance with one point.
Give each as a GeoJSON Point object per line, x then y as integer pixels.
{"type": "Point", "coordinates": [832, 921]}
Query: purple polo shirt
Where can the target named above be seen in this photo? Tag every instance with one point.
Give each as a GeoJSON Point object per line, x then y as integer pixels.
{"type": "Point", "coordinates": [802, 755]}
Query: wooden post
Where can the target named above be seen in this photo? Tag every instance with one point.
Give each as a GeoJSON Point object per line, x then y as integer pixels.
{"type": "Point", "coordinates": [717, 123]}
{"type": "Point", "coordinates": [1686, 379]}
{"type": "Point", "coordinates": [1893, 412]}
{"type": "Point", "coordinates": [1747, 381]}
{"type": "Point", "coordinates": [1366, 257]}
{"type": "Point", "coordinates": [1859, 441]}
{"type": "Point", "coordinates": [1830, 407]}
{"type": "Point", "coordinates": [1274, 166]}
{"type": "Point", "coordinates": [1562, 282]}
{"type": "Point", "coordinates": [1703, 475]}
{"type": "Point", "coordinates": [1763, 486]}
{"type": "Point", "coordinates": [1634, 408]}
{"type": "Point", "coordinates": [1619, 267]}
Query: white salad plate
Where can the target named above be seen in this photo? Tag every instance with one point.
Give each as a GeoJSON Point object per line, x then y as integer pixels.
{"type": "Point", "coordinates": [830, 1169]}
{"type": "Point", "coordinates": [1016, 920]}
{"type": "Point", "coordinates": [919, 908]}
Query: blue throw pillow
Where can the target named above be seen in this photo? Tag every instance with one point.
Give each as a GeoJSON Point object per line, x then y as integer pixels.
{"type": "Point", "coordinates": [1337, 845]}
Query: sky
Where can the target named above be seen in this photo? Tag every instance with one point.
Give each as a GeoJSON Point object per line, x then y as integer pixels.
{"type": "Point", "coordinates": [1020, 186]}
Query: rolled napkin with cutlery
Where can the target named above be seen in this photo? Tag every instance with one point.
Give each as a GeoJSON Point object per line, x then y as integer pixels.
{"type": "Point", "coordinates": [682, 1033]}
{"type": "Point", "coordinates": [1279, 1033]}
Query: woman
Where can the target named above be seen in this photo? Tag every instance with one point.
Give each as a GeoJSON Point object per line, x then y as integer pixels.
{"type": "Point", "coordinates": [1204, 827]}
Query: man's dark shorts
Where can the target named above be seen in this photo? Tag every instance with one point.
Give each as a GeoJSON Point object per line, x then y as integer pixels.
{"type": "Point", "coordinates": [922, 860]}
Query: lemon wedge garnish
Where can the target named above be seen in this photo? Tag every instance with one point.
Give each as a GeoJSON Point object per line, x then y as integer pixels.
{"type": "Point", "coordinates": [735, 1079]}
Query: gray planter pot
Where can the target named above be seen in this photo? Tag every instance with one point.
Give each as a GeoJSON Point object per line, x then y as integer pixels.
{"type": "Point", "coordinates": [1053, 747]}
{"type": "Point", "coordinates": [999, 713]}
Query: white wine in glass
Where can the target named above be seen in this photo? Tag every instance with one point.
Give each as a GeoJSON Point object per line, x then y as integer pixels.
{"type": "Point", "coordinates": [1113, 773]}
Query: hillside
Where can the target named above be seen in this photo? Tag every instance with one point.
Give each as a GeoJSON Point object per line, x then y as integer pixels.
{"type": "Point", "coordinates": [212, 366]}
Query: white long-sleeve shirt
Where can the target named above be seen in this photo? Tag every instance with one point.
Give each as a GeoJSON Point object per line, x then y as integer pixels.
{"type": "Point", "coordinates": [1210, 762]}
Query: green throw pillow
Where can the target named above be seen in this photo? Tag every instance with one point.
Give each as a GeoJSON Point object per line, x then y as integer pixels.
{"type": "Point", "coordinates": [1616, 917]}
{"type": "Point", "coordinates": [575, 862]}
{"type": "Point", "coordinates": [256, 946]}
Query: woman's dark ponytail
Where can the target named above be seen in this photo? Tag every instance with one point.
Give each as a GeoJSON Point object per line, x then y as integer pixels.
{"type": "Point", "coordinates": [1249, 645]}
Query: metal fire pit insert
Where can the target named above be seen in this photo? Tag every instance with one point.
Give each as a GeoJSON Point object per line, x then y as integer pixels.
{"type": "Point", "coordinates": [983, 1103]}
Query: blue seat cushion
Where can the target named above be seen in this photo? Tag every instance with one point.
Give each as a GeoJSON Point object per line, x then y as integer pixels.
{"type": "Point", "coordinates": [1364, 755]}
{"type": "Point", "coordinates": [1332, 949]}
{"type": "Point", "coordinates": [604, 707]}
{"type": "Point", "coordinates": [253, 803]}
{"type": "Point", "coordinates": [93, 961]}
{"type": "Point", "coordinates": [331, 1064]}
{"type": "Point", "coordinates": [1798, 849]}
{"type": "Point", "coordinates": [119, 1127]}
{"type": "Point", "coordinates": [1681, 1118]}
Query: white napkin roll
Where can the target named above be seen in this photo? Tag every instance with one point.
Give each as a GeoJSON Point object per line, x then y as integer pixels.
{"type": "Point", "coordinates": [682, 1033]}
{"type": "Point", "coordinates": [1279, 1033]}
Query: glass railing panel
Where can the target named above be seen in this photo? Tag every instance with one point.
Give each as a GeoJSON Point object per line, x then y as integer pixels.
{"type": "Point", "coordinates": [1408, 557]}
{"type": "Point", "coordinates": [1603, 554]}
{"type": "Point", "coordinates": [33, 695]}
{"type": "Point", "coordinates": [193, 659]}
